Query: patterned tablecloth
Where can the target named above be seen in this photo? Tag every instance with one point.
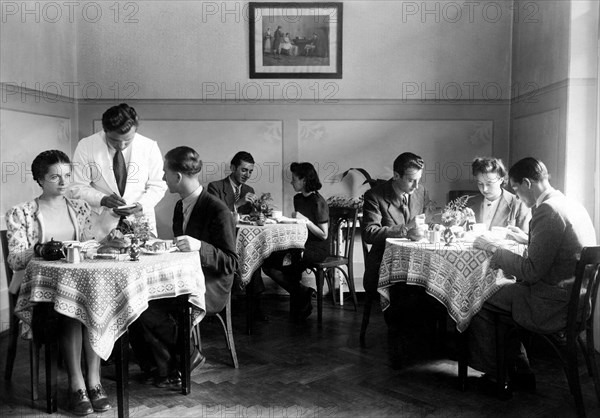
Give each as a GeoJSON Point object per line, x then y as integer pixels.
{"type": "Point", "coordinates": [459, 276]}
{"type": "Point", "coordinates": [255, 243]}
{"type": "Point", "coordinates": [108, 295]}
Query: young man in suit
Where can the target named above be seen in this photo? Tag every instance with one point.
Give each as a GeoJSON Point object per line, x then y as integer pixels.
{"type": "Point", "coordinates": [496, 206]}
{"type": "Point", "coordinates": [118, 167]}
{"type": "Point", "coordinates": [539, 298]}
{"type": "Point", "coordinates": [202, 223]}
{"type": "Point", "coordinates": [233, 190]}
{"type": "Point", "coordinates": [238, 197]}
{"type": "Point", "coordinates": [389, 211]}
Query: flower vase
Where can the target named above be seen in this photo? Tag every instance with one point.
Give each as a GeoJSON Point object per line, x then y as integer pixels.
{"type": "Point", "coordinates": [134, 250]}
{"type": "Point", "coordinates": [448, 236]}
{"type": "Point", "coordinates": [260, 221]}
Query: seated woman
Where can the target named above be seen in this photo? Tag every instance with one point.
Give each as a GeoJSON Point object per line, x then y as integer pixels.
{"type": "Point", "coordinates": [286, 267]}
{"type": "Point", "coordinates": [286, 45]}
{"type": "Point", "coordinates": [52, 215]}
{"type": "Point", "coordinates": [496, 206]}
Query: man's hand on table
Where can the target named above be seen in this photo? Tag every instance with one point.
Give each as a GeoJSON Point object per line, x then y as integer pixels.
{"type": "Point", "coordinates": [517, 234]}
{"type": "Point", "coordinates": [185, 243]}
{"type": "Point", "coordinates": [487, 243]}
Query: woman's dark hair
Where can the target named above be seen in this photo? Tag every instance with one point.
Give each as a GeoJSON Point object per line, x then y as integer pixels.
{"type": "Point", "coordinates": [41, 163]}
{"type": "Point", "coordinates": [307, 172]}
{"type": "Point", "coordinates": [184, 160]}
{"type": "Point", "coordinates": [484, 165]}
{"type": "Point", "coordinates": [119, 119]}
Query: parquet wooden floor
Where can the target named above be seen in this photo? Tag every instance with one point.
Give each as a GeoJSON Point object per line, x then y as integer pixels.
{"type": "Point", "coordinates": [289, 370]}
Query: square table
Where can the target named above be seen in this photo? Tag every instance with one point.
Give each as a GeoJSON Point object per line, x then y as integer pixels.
{"type": "Point", "coordinates": [108, 295]}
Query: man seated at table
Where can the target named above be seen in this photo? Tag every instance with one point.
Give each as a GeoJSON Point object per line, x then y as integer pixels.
{"type": "Point", "coordinates": [389, 211]}
{"type": "Point", "coordinates": [496, 206]}
{"type": "Point", "coordinates": [233, 190]}
{"type": "Point", "coordinates": [238, 197]}
{"type": "Point", "coordinates": [538, 300]}
{"type": "Point", "coordinates": [201, 223]}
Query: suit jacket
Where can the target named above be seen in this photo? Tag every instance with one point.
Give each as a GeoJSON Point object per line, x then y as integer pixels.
{"type": "Point", "coordinates": [224, 191]}
{"type": "Point", "coordinates": [93, 178]}
{"type": "Point", "coordinates": [211, 223]}
{"type": "Point", "coordinates": [381, 218]}
{"type": "Point", "coordinates": [560, 228]}
{"type": "Point", "coordinates": [509, 207]}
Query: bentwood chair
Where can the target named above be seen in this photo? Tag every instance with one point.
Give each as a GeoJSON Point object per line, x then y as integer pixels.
{"type": "Point", "coordinates": [224, 318]}
{"type": "Point", "coordinates": [342, 227]}
{"type": "Point", "coordinates": [580, 316]}
{"type": "Point", "coordinates": [34, 345]}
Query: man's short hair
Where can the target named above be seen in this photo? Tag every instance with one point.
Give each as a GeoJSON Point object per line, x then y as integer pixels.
{"type": "Point", "coordinates": [530, 168]}
{"type": "Point", "coordinates": [120, 119]}
{"type": "Point", "coordinates": [184, 160]}
{"type": "Point", "coordinates": [407, 160]}
{"type": "Point", "coordinates": [244, 156]}
{"type": "Point", "coordinates": [484, 165]}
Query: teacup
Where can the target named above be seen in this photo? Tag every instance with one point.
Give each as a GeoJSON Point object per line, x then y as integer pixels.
{"type": "Point", "coordinates": [161, 245]}
{"type": "Point", "coordinates": [277, 214]}
{"type": "Point", "coordinates": [478, 229]}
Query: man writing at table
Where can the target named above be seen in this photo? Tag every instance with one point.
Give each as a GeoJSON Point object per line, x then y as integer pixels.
{"type": "Point", "coordinates": [539, 299]}
{"type": "Point", "coordinates": [390, 211]}
{"type": "Point", "coordinates": [201, 223]}
{"type": "Point", "coordinates": [238, 196]}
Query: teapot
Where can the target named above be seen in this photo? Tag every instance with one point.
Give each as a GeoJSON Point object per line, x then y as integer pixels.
{"type": "Point", "coordinates": [50, 251]}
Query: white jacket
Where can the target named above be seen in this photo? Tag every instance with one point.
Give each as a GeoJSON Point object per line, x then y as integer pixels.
{"type": "Point", "coordinates": [93, 178]}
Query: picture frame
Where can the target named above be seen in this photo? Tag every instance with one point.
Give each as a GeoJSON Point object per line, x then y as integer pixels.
{"type": "Point", "coordinates": [295, 40]}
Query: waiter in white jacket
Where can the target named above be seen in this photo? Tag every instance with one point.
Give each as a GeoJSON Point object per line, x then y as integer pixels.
{"type": "Point", "coordinates": [118, 172]}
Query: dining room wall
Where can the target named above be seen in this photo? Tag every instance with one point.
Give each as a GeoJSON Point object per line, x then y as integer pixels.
{"type": "Point", "coordinates": [554, 114]}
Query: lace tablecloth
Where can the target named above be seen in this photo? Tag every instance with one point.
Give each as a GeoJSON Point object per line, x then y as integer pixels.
{"type": "Point", "coordinates": [255, 243]}
{"type": "Point", "coordinates": [459, 276]}
{"type": "Point", "coordinates": [108, 295]}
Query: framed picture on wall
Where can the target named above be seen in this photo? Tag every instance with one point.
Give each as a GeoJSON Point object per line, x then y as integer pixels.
{"type": "Point", "coordinates": [295, 40]}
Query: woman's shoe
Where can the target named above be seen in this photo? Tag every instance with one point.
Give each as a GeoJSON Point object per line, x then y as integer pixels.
{"type": "Point", "coordinates": [79, 403]}
{"type": "Point", "coordinates": [99, 399]}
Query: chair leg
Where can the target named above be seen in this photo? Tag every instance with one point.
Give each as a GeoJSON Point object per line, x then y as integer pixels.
{"type": "Point", "coordinates": [34, 368]}
{"type": "Point", "coordinates": [330, 277]}
{"type": "Point", "coordinates": [13, 338]}
{"type": "Point", "coordinates": [594, 361]}
{"type": "Point", "coordinates": [51, 372]}
{"type": "Point", "coordinates": [122, 370]}
{"type": "Point", "coordinates": [351, 286]}
{"type": "Point", "coordinates": [572, 372]}
{"type": "Point", "coordinates": [230, 341]}
{"type": "Point", "coordinates": [320, 277]}
{"type": "Point", "coordinates": [365, 320]}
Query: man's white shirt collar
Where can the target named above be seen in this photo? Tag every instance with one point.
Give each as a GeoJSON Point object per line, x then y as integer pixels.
{"type": "Point", "coordinates": [541, 198]}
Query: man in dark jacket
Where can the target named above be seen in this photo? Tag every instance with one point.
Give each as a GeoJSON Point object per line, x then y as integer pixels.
{"type": "Point", "coordinates": [201, 223]}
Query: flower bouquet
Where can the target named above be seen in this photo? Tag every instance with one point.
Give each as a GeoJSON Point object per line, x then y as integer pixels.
{"type": "Point", "coordinates": [455, 217]}
{"type": "Point", "coordinates": [261, 208]}
{"type": "Point", "coordinates": [138, 227]}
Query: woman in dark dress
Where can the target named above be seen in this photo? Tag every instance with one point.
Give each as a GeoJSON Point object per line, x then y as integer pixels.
{"type": "Point", "coordinates": [286, 267]}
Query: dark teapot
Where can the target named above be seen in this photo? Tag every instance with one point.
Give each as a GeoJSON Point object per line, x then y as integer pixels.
{"type": "Point", "coordinates": [51, 250]}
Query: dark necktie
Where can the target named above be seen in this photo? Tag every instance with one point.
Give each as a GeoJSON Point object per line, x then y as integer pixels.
{"type": "Point", "coordinates": [404, 208]}
{"type": "Point", "coordinates": [178, 219]}
{"type": "Point", "coordinates": [236, 193]}
{"type": "Point", "coordinates": [120, 170]}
